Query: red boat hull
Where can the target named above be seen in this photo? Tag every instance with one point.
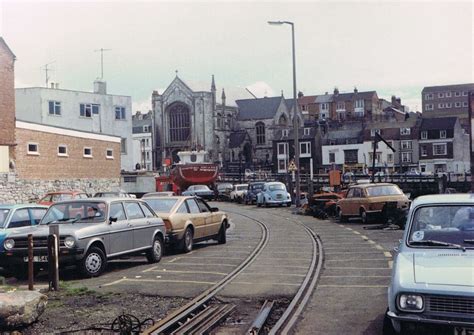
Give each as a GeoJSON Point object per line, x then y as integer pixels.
{"type": "Point", "coordinates": [194, 174]}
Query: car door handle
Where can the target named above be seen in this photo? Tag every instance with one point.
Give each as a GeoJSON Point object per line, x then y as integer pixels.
{"type": "Point", "coordinates": [148, 222]}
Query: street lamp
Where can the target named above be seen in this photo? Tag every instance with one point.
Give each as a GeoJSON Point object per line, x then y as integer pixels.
{"type": "Point", "coordinates": [295, 106]}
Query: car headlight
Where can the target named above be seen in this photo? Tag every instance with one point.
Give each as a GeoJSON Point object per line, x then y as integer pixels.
{"type": "Point", "coordinates": [69, 242]}
{"type": "Point", "coordinates": [410, 302]}
{"type": "Point", "coordinates": [8, 244]}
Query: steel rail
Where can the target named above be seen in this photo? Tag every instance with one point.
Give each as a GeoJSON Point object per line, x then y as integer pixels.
{"type": "Point", "coordinates": [299, 301]}
{"type": "Point", "coordinates": [176, 318]}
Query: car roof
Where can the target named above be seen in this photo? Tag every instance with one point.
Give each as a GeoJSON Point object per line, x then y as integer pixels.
{"type": "Point", "coordinates": [274, 182]}
{"type": "Point", "coordinates": [372, 185]}
{"type": "Point", "coordinates": [99, 199]}
{"type": "Point", "coordinates": [16, 206]}
{"type": "Point", "coordinates": [437, 199]}
{"type": "Point", "coordinates": [177, 197]}
{"type": "Point", "coordinates": [65, 192]}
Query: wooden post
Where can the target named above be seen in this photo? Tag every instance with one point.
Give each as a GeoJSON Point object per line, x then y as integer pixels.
{"type": "Point", "coordinates": [30, 263]}
{"type": "Point", "coordinates": [53, 257]}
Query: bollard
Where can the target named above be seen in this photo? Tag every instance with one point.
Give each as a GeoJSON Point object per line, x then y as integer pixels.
{"type": "Point", "coordinates": [53, 259]}
{"type": "Point", "coordinates": [30, 263]}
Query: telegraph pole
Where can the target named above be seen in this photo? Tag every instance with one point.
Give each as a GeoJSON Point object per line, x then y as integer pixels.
{"type": "Point", "coordinates": [470, 98]}
{"type": "Point", "coordinates": [101, 50]}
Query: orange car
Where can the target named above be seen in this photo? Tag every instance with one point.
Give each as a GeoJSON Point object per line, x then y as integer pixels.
{"type": "Point", "coordinates": [53, 197]}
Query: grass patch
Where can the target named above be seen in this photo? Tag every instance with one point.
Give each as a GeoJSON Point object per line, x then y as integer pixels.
{"type": "Point", "coordinates": [69, 290]}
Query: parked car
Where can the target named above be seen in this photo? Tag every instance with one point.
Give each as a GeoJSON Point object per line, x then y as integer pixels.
{"type": "Point", "coordinates": [238, 193]}
{"type": "Point", "coordinates": [367, 201]}
{"type": "Point", "coordinates": [252, 191]}
{"type": "Point", "coordinates": [223, 191]}
{"type": "Point", "coordinates": [273, 193]}
{"type": "Point", "coordinates": [159, 194]}
{"type": "Point", "coordinates": [52, 197]}
{"type": "Point", "coordinates": [202, 191]}
{"type": "Point", "coordinates": [432, 284]}
{"type": "Point", "coordinates": [189, 220]}
{"type": "Point", "coordinates": [15, 216]}
{"type": "Point", "coordinates": [92, 231]}
{"type": "Point", "coordinates": [118, 194]}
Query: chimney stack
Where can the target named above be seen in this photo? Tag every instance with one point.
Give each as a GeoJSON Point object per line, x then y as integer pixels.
{"type": "Point", "coordinates": [100, 87]}
{"type": "Point", "coordinates": [355, 89]}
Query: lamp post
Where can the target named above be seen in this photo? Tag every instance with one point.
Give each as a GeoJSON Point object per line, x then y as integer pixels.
{"type": "Point", "coordinates": [295, 114]}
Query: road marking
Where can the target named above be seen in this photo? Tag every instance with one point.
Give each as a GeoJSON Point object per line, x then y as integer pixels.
{"type": "Point", "coordinates": [202, 272]}
{"type": "Point", "coordinates": [355, 286]}
{"type": "Point", "coordinates": [158, 281]}
{"type": "Point", "coordinates": [364, 237]}
{"type": "Point", "coordinates": [390, 264]}
{"type": "Point", "coordinates": [349, 228]}
{"type": "Point", "coordinates": [378, 246]}
{"type": "Point", "coordinates": [216, 257]}
{"type": "Point", "coordinates": [174, 260]}
{"type": "Point", "coordinates": [204, 264]}
{"type": "Point", "coordinates": [351, 252]}
{"type": "Point", "coordinates": [354, 268]}
{"type": "Point", "coordinates": [356, 232]}
{"type": "Point", "coordinates": [387, 254]}
{"type": "Point", "coordinates": [283, 259]}
{"type": "Point", "coordinates": [354, 259]}
{"type": "Point", "coordinates": [323, 276]}
{"type": "Point", "coordinates": [273, 284]}
{"type": "Point", "coordinates": [150, 269]}
{"type": "Point", "coordinates": [273, 274]}
{"type": "Point", "coordinates": [371, 242]}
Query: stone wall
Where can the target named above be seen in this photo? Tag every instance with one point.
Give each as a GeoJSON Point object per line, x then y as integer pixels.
{"type": "Point", "coordinates": [15, 190]}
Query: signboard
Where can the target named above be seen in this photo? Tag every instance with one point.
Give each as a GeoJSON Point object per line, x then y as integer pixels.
{"type": "Point", "coordinates": [292, 167]}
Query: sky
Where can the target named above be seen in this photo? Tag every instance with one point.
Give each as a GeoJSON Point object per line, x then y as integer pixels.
{"type": "Point", "coordinates": [395, 48]}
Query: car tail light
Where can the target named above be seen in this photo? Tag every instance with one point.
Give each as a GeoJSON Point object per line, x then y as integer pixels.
{"type": "Point", "coordinates": [168, 225]}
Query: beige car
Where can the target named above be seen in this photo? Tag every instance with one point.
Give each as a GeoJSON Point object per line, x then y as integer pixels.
{"type": "Point", "coordinates": [189, 220]}
{"type": "Point", "coordinates": [368, 201]}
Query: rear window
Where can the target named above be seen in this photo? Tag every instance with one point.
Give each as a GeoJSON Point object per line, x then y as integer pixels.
{"type": "Point", "coordinates": [163, 205]}
{"type": "Point", "coordinates": [241, 188]}
{"type": "Point", "coordinates": [378, 191]}
{"type": "Point", "coordinates": [276, 187]}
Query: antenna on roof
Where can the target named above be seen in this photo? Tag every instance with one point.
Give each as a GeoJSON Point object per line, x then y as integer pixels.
{"type": "Point", "coordinates": [101, 50]}
{"type": "Point", "coordinates": [46, 69]}
{"type": "Point", "coordinates": [251, 93]}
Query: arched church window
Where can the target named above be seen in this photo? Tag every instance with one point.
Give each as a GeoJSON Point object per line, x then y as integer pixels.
{"type": "Point", "coordinates": [179, 123]}
{"type": "Point", "coordinates": [219, 121]}
{"type": "Point", "coordinates": [282, 121]}
{"type": "Point", "coordinates": [260, 131]}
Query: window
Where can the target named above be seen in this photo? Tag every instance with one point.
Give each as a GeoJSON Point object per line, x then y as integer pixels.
{"type": "Point", "coordinates": [429, 96]}
{"type": "Point", "coordinates": [442, 134]}
{"type": "Point", "coordinates": [203, 206]}
{"type": "Point", "coordinates": [303, 107]}
{"type": "Point", "coordinates": [32, 149]}
{"type": "Point", "coordinates": [324, 106]}
{"type": "Point", "coordinates": [119, 113]}
{"type": "Point", "coordinates": [54, 108]}
{"type": "Point", "coordinates": [85, 110]}
{"type": "Point", "coordinates": [464, 93]}
{"type": "Point", "coordinates": [439, 149]}
{"type": "Point", "coordinates": [464, 104]}
{"type": "Point", "coordinates": [305, 149]}
{"type": "Point", "coordinates": [116, 211]}
{"type": "Point", "coordinates": [350, 156]}
{"type": "Point", "coordinates": [323, 115]}
{"type": "Point", "coordinates": [282, 149]}
{"type": "Point", "coordinates": [95, 109]}
{"type": "Point", "coordinates": [424, 135]}
{"type": "Point", "coordinates": [378, 157]}
{"type": "Point", "coordinates": [20, 218]}
{"type": "Point", "coordinates": [62, 150]}
{"type": "Point", "coordinates": [374, 131]}
{"type": "Point", "coordinates": [406, 157]}
{"type": "Point", "coordinates": [423, 151]}
{"type": "Point", "coordinates": [332, 157]}
{"type": "Point", "coordinates": [147, 211]}
{"type": "Point", "coordinates": [359, 113]}
{"type": "Point", "coordinates": [390, 158]}
{"type": "Point", "coordinates": [183, 209]}
{"type": "Point", "coordinates": [193, 207]}
{"type": "Point", "coordinates": [260, 132]}
{"type": "Point", "coordinates": [133, 211]}
{"type": "Point", "coordinates": [457, 94]}
{"type": "Point", "coordinates": [441, 105]}
{"type": "Point", "coordinates": [306, 131]}
{"type": "Point", "coordinates": [448, 94]}
{"type": "Point", "coordinates": [179, 123]}
{"type": "Point", "coordinates": [37, 214]}
{"type": "Point", "coordinates": [282, 165]}
{"type": "Point", "coordinates": [429, 107]}
{"type": "Point", "coordinates": [284, 132]}
{"type": "Point", "coordinates": [359, 103]}
{"type": "Point", "coordinates": [123, 146]}
{"type": "Point", "coordinates": [440, 95]}
{"type": "Point", "coordinates": [448, 105]}
{"type": "Point", "coordinates": [406, 145]}
{"type": "Point", "coordinates": [147, 155]}
{"type": "Point", "coordinates": [405, 131]}
{"type": "Point", "coordinates": [109, 154]}
{"type": "Point", "coordinates": [341, 105]}
{"type": "Point", "coordinates": [457, 104]}
{"type": "Point", "coordinates": [87, 152]}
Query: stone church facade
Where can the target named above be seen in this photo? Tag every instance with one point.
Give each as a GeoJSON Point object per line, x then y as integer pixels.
{"type": "Point", "coordinates": [232, 125]}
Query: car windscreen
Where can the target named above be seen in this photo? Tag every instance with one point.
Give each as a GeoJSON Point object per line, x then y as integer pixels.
{"type": "Point", "coordinates": [76, 212]}
{"type": "Point", "coordinates": [3, 216]}
{"type": "Point", "coordinates": [241, 188]}
{"type": "Point", "coordinates": [61, 197]}
{"type": "Point", "coordinates": [257, 187]}
{"type": "Point", "coordinates": [276, 187]}
{"type": "Point", "coordinates": [379, 191]}
{"type": "Point", "coordinates": [222, 187]}
{"type": "Point", "coordinates": [435, 225]}
{"type": "Point", "coordinates": [162, 205]}
{"type": "Point", "coordinates": [201, 188]}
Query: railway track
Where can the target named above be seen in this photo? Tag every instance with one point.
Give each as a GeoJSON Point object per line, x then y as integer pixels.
{"type": "Point", "coordinates": [199, 315]}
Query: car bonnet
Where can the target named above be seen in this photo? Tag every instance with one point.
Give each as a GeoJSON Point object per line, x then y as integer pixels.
{"type": "Point", "coordinates": [444, 267]}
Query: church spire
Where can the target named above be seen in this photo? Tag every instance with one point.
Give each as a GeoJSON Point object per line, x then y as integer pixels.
{"type": "Point", "coordinates": [223, 97]}
{"type": "Point", "coordinates": [213, 84]}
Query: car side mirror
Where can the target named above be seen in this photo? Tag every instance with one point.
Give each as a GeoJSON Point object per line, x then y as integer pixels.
{"type": "Point", "coordinates": [112, 219]}
{"type": "Point", "coordinates": [214, 209]}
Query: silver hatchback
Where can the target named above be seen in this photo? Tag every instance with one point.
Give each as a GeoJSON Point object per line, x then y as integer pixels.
{"type": "Point", "coordinates": [91, 231]}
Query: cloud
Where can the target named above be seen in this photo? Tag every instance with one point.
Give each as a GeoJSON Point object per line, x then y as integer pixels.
{"type": "Point", "coordinates": [143, 106]}
{"type": "Point", "coordinates": [261, 89]}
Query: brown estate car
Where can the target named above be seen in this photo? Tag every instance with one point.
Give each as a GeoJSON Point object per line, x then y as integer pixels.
{"type": "Point", "coordinates": [188, 220]}
{"type": "Point", "coordinates": [371, 200]}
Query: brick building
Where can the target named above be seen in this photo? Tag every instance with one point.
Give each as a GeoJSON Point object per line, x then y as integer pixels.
{"type": "Point", "coordinates": [48, 153]}
{"type": "Point", "coordinates": [7, 105]}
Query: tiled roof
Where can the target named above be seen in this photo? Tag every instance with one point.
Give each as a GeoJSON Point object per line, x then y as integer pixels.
{"type": "Point", "coordinates": [309, 99]}
{"type": "Point", "coordinates": [438, 123]}
{"type": "Point", "coordinates": [354, 96]}
{"type": "Point", "coordinates": [442, 88]}
{"type": "Point", "coordinates": [324, 98]}
{"type": "Point", "coordinates": [6, 47]}
{"type": "Point", "coordinates": [258, 109]}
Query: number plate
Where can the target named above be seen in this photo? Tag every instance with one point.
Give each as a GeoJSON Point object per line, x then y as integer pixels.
{"type": "Point", "coordinates": [463, 331]}
{"type": "Point", "coordinates": [38, 259]}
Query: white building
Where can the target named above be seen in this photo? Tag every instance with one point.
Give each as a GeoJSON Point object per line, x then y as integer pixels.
{"type": "Point", "coordinates": [143, 140]}
{"type": "Point", "coordinates": [95, 111]}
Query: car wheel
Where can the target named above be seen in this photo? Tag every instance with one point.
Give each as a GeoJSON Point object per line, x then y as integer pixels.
{"type": "Point", "coordinates": [387, 328]}
{"type": "Point", "coordinates": [222, 238]}
{"type": "Point", "coordinates": [156, 252]}
{"type": "Point", "coordinates": [364, 216]}
{"type": "Point", "coordinates": [20, 272]}
{"type": "Point", "coordinates": [259, 204]}
{"type": "Point", "coordinates": [341, 217]}
{"type": "Point", "coordinates": [187, 241]}
{"type": "Point", "coordinates": [288, 204]}
{"type": "Point", "coordinates": [93, 263]}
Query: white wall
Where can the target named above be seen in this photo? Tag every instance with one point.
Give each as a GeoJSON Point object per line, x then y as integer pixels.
{"type": "Point", "coordinates": [137, 149]}
{"type": "Point", "coordinates": [4, 159]}
{"type": "Point", "coordinates": [339, 153]}
{"type": "Point", "coordinates": [32, 104]}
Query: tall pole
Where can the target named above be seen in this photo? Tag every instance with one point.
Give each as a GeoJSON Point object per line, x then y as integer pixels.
{"type": "Point", "coordinates": [470, 100]}
{"type": "Point", "coordinates": [295, 119]}
{"type": "Point", "coordinates": [101, 50]}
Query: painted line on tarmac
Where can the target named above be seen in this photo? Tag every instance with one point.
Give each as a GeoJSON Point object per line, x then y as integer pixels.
{"type": "Point", "coordinates": [354, 259]}
{"type": "Point", "coordinates": [284, 259]}
{"type": "Point", "coordinates": [390, 264]}
{"type": "Point", "coordinates": [361, 247]}
{"type": "Point", "coordinates": [192, 272]}
{"type": "Point", "coordinates": [355, 286]}
{"type": "Point", "coordinates": [174, 260]}
{"type": "Point", "coordinates": [215, 257]}
{"type": "Point", "coordinates": [351, 252]}
{"type": "Point", "coordinates": [204, 264]}
{"type": "Point", "coordinates": [332, 276]}
{"type": "Point", "coordinates": [150, 269]}
{"type": "Point", "coordinates": [378, 246]}
{"type": "Point", "coordinates": [272, 284]}
{"type": "Point", "coordinates": [123, 280]}
{"type": "Point", "coordinates": [387, 254]}
{"type": "Point", "coordinates": [356, 232]}
{"type": "Point", "coordinates": [273, 274]}
{"type": "Point", "coordinates": [282, 266]}
{"type": "Point", "coordinates": [354, 268]}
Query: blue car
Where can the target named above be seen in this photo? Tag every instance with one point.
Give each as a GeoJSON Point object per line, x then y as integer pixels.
{"type": "Point", "coordinates": [252, 191]}
{"type": "Point", "coordinates": [432, 285]}
{"type": "Point", "coordinates": [273, 193]}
